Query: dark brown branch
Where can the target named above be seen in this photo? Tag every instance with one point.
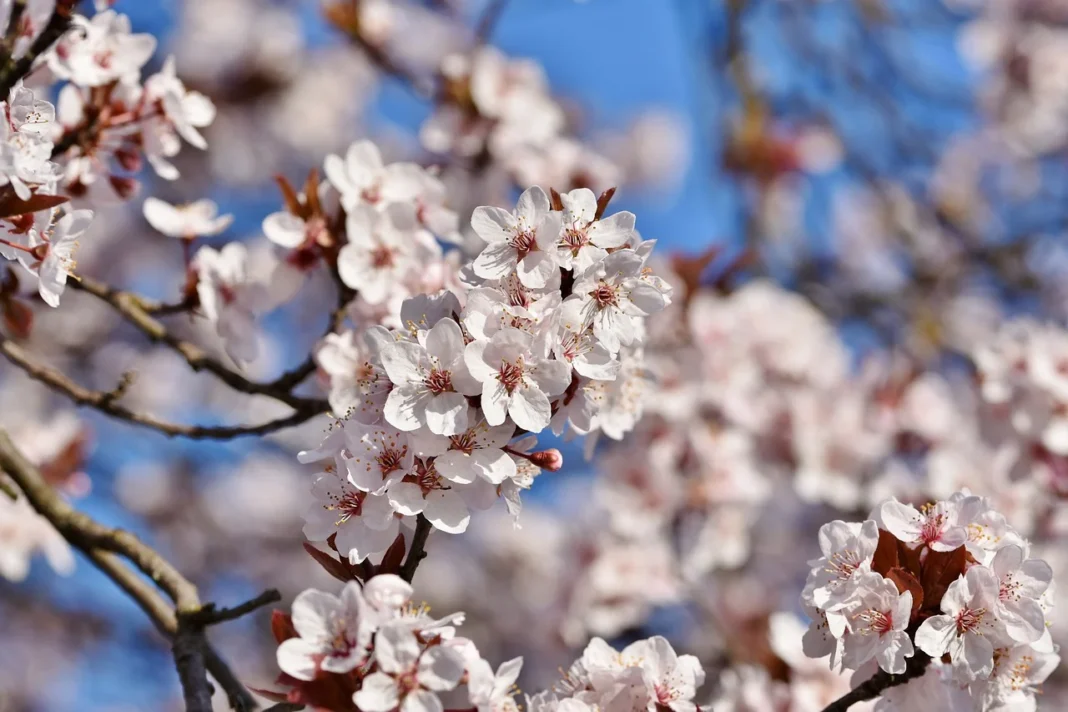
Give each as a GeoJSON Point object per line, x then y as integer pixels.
{"type": "Point", "coordinates": [209, 615]}
{"type": "Point", "coordinates": [107, 402]}
{"type": "Point", "coordinates": [129, 306]}
{"type": "Point", "coordinates": [194, 656]}
{"type": "Point", "coordinates": [16, 69]}
{"type": "Point", "coordinates": [417, 552]}
{"type": "Point", "coordinates": [881, 680]}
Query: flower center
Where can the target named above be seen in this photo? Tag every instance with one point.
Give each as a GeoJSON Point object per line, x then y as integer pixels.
{"type": "Point", "coordinates": [381, 257]}
{"type": "Point", "coordinates": [878, 622]}
{"type": "Point", "coordinates": [969, 619]}
{"type": "Point", "coordinates": [511, 375]}
{"type": "Point", "coordinates": [932, 527]}
{"type": "Point", "coordinates": [438, 381]}
{"type": "Point", "coordinates": [347, 505]}
{"type": "Point", "coordinates": [843, 563]}
{"type": "Point", "coordinates": [575, 239]}
{"type": "Point", "coordinates": [1009, 589]}
{"type": "Point", "coordinates": [390, 459]}
{"type": "Point", "coordinates": [523, 243]}
{"type": "Point", "coordinates": [465, 442]}
{"type": "Point", "coordinates": [604, 295]}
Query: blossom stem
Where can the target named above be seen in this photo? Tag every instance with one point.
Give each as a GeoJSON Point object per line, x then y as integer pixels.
{"type": "Point", "coordinates": [417, 552]}
{"type": "Point", "coordinates": [881, 680]}
{"type": "Point", "coordinates": [16, 246]}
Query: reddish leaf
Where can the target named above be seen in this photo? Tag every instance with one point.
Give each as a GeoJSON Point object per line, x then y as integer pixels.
{"type": "Point", "coordinates": [270, 694]}
{"type": "Point", "coordinates": [311, 193]}
{"type": "Point", "coordinates": [282, 626]}
{"type": "Point", "coordinates": [690, 269]}
{"type": "Point", "coordinates": [392, 559]}
{"type": "Point", "coordinates": [18, 318]}
{"type": "Point", "coordinates": [289, 195]}
{"type": "Point", "coordinates": [910, 558]}
{"type": "Point", "coordinates": [603, 201]}
{"type": "Point", "coordinates": [11, 204]}
{"type": "Point", "coordinates": [939, 570]}
{"type": "Point", "coordinates": [554, 200]}
{"type": "Point", "coordinates": [337, 569]}
{"type": "Point", "coordinates": [886, 553]}
{"type": "Point", "coordinates": [905, 581]}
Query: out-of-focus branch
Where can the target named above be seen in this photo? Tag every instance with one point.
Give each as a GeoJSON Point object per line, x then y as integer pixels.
{"type": "Point", "coordinates": [103, 545]}
{"type": "Point", "coordinates": [881, 680]}
{"type": "Point", "coordinates": [15, 69]}
{"type": "Point", "coordinates": [129, 306]}
{"type": "Point", "coordinates": [107, 402]}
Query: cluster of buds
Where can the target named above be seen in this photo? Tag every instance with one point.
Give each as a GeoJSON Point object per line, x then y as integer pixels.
{"type": "Point", "coordinates": [949, 585]}
{"type": "Point", "coordinates": [548, 335]}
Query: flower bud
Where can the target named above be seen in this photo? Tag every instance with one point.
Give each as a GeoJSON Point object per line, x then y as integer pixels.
{"type": "Point", "coordinates": [550, 460]}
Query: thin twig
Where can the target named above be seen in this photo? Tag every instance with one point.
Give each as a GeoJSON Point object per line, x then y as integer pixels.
{"type": "Point", "coordinates": [14, 70]}
{"type": "Point", "coordinates": [129, 306]}
{"type": "Point", "coordinates": [106, 402]}
{"type": "Point", "coordinates": [491, 15]}
{"type": "Point", "coordinates": [209, 615]}
{"type": "Point", "coordinates": [417, 552]}
{"type": "Point", "coordinates": [881, 680]}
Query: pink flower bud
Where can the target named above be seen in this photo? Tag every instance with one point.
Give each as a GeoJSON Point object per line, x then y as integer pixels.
{"type": "Point", "coordinates": [550, 460]}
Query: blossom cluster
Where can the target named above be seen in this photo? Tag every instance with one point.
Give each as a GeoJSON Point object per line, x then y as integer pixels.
{"type": "Point", "coordinates": [371, 649]}
{"type": "Point", "coordinates": [951, 581]}
{"type": "Point", "coordinates": [549, 336]}
{"type": "Point", "coordinates": [105, 121]}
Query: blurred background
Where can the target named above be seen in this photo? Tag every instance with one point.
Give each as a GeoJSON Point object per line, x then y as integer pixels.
{"type": "Point", "coordinates": [861, 198]}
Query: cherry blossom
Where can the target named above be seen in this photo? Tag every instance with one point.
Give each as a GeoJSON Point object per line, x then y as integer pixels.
{"type": "Point", "coordinates": [197, 219]}
{"type": "Point", "coordinates": [877, 619]}
{"type": "Point", "coordinates": [584, 241]}
{"type": "Point", "coordinates": [383, 247]}
{"type": "Point", "coordinates": [229, 298]}
{"type": "Point", "coordinates": [101, 50]}
{"type": "Point", "coordinates": [331, 633]}
{"type": "Point", "coordinates": [847, 555]}
{"type": "Point", "coordinates": [934, 526]}
{"type": "Point", "coordinates": [969, 628]}
{"type": "Point", "coordinates": [515, 382]}
{"type": "Point", "coordinates": [363, 522]}
{"type": "Point", "coordinates": [408, 677]}
{"type": "Point", "coordinates": [612, 296]}
{"type": "Point", "coordinates": [430, 381]}
{"type": "Point", "coordinates": [521, 241]}
{"type": "Point", "coordinates": [359, 384]}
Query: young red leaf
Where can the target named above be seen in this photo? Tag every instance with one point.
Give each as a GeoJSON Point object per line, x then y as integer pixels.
{"type": "Point", "coordinates": [11, 204]}
{"type": "Point", "coordinates": [602, 203]}
{"type": "Point", "coordinates": [392, 559]}
{"type": "Point", "coordinates": [338, 569]}
{"type": "Point", "coordinates": [906, 581]}
{"type": "Point", "coordinates": [886, 553]}
{"type": "Point", "coordinates": [282, 626]}
{"type": "Point", "coordinates": [554, 200]}
{"type": "Point", "coordinates": [939, 570]}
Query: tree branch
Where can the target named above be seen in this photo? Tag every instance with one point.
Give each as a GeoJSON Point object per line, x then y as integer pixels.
{"type": "Point", "coordinates": [129, 306]}
{"type": "Point", "coordinates": [107, 402]}
{"type": "Point", "coordinates": [16, 69]}
{"type": "Point", "coordinates": [881, 680]}
{"type": "Point", "coordinates": [194, 657]}
{"type": "Point", "coordinates": [417, 552]}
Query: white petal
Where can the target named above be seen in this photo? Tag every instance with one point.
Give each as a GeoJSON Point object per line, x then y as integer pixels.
{"type": "Point", "coordinates": [530, 409]}
{"type": "Point", "coordinates": [492, 224]}
{"type": "Point", "coordinates": [378, 693]}
{"type": "Point", "coordinates": [440, 669]}
{"type": "Point", "coordinates": [446, 414]}
{"type": "Point", "coordinates": [447, 512]}
{"type": "Point", "coordinates": [406, 498]}
{"type": "Point", "coordinates": [284, 229]}
{"type": "Point", "coordinates": [297, 658]}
